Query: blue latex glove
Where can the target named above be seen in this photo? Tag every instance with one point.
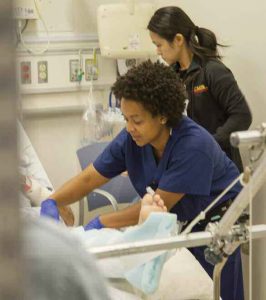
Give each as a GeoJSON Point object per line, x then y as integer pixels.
{"type": "Point", "coordinates": [94, 224]}
{"type": "Point", "coordinates": [49, 209]}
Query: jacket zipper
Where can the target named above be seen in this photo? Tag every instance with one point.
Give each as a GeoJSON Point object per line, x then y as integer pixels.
{"type": "Point", "coordinates": [192, 100]}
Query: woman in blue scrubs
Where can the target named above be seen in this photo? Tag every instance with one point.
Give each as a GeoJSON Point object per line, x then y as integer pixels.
{"type": "Point", "coordinates": [161, 148]}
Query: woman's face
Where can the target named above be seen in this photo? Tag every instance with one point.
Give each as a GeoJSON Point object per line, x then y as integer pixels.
{"type": "Point", "coordinates": [141, 125]}
{"type": "Point", "coordinates": [170, 52]}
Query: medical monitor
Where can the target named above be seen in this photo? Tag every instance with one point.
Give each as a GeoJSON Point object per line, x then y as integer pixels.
{"type": "Point", "coordinates": [123, 32]}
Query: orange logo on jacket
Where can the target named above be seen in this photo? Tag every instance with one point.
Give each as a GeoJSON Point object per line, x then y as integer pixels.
{"type": "Point", "coordinates": [199, 89]}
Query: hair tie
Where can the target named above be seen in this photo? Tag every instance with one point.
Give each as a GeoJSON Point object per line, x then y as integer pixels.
{"type": "Point", "coordinates": [196, 29]}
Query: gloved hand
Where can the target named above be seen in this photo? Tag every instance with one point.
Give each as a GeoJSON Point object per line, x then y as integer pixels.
{"type": "Point", "coordinates": [49, 209]}
{"type": "Point", "coordinates": [94, 224]}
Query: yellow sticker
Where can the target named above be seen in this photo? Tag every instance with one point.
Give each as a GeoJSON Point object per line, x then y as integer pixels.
{"type": "Point", "coordinates": [200, 89]}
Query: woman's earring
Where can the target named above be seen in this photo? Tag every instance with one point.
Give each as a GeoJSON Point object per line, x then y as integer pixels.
{"type": "Point", "coordinates": [163, 121]}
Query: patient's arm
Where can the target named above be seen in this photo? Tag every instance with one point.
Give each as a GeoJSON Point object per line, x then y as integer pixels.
{"type": "Point", "coordinates": [36, 193]}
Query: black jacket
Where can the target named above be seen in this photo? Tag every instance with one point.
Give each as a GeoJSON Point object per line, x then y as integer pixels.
{"type": "Point", "coordinates": [216, 102]}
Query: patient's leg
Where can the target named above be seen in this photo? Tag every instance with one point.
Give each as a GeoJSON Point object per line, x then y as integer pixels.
{"type": "Point", "coordinates": [155, 223]}
{"type": "Point", "coordinates": [150, 204]}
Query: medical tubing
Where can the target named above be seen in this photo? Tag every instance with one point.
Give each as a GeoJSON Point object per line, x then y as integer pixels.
{"type": "Point", "coordinates": [34, 51]}
{"type": "Point", "coordinates": [202, 214]}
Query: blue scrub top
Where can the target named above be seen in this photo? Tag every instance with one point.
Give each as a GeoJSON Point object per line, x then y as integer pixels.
{"type": "Point", "coordinates": [192, 164]}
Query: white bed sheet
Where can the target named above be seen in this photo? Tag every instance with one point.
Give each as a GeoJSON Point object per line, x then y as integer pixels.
{"type": "Point", "coordinates": [182, 278]}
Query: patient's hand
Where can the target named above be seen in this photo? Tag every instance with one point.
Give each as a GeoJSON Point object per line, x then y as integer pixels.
{"type": "Point", "coordinates": [150, 204]}
{"type": "Point", "coordinates": [67, 215]}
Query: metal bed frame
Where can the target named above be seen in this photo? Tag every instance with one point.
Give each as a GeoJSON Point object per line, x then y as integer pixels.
{"type": "Point", "coordinates": [222, 238]}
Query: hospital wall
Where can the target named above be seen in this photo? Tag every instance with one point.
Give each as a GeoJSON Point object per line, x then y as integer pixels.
{"type": "Point", "coordinates": [52, 116]}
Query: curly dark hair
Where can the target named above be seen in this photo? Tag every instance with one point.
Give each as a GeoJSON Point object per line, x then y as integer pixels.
{"type": "Point", "coordinates": [157, 87]}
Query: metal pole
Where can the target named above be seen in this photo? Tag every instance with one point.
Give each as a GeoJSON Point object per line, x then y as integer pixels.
{"type": "Point", "coordinates": [190, 240]}
{"type": "Point", "coordinates": [257, 180]}
{"type": "Point", "coordinates": [10, 257]}
{"type": "Point", "coordinates": [217, 278]}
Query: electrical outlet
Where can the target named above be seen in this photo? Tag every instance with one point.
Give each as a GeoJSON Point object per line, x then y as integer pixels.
{"type": "Point", "coordinates": [74, 66]}
{"type": "Point", "coordinates": [91, 69]}
{"type": "Point", "coordinates": [25, 72]}
{"type": "Point", "coordinates": [42, 72]}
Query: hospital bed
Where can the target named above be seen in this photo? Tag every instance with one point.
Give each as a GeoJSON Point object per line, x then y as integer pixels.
{"type": "Point", "coordinates": [221, 238]}
{"type": "Point", "coordinates": [182, 271]}
{"type": "Point", "coordinates": [31, 167]}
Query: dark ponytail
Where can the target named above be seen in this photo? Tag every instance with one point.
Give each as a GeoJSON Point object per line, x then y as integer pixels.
{"type": "Point", "coordinates": [171, 20]}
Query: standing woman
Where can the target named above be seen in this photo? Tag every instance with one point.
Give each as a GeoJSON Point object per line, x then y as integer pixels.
{"type": "Point", "coordinates": [215, 100]}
